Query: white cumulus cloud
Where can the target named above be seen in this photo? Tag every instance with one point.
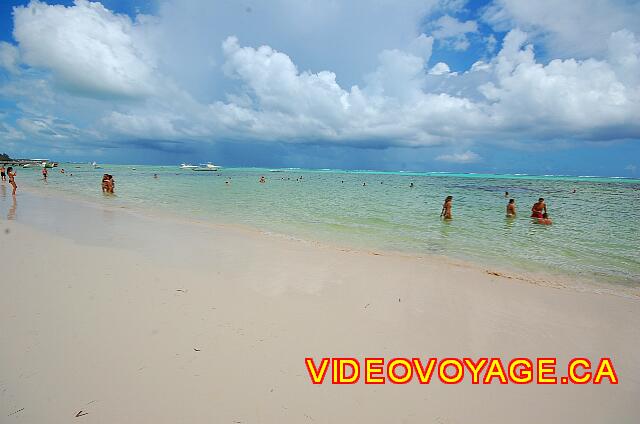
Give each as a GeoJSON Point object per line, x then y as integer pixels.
{"type": "Point", "coordinates": [464, 157]}
{"type": "Point", "coordinates": [453, 32]}
{"type": "Point", "coordinates": [89, 49]}
{"type": "Point", "coordinates": [85, 73]}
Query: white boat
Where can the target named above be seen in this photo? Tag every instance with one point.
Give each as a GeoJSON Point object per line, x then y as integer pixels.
{"type": "Point", "coordinates": [95, 165]}
{"type": "Point", "coordinates": [188, 166]}
{"type": "Point", "coordinates": [207, 167]}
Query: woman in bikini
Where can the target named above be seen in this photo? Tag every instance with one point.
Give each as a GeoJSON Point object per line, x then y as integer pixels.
{"type": "Point", "coordinates": [446, 208]}
{"type": "Point", "coordinates": [12, 179]}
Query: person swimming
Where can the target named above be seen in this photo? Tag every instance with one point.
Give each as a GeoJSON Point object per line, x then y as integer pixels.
{"type": "Point", "coordinates": [538, 208]}
{"type": "Point", "coordinates": [511, 208]}
{"type": "Point", "coordinates": [263, 180]}
{"type": "Point", "coordinates": [411, 185]}
{"type": "Point", "coordinates": [545, 220]}
{"type": "Point", "coordinates": [12, 179]}
{"type": "Point", "coordinates": [446, 208]}
{"type": "Point", "coordinates": [506, 194]}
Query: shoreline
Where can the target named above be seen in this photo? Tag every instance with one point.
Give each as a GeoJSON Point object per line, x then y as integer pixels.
{"type": "Point", "coordinates": [557, 280]}
{"type": "Point", "coordinates": [131, 318]}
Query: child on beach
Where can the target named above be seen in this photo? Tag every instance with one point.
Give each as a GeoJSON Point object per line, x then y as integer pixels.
{"type": "Point", "coordinates": [12, 179]}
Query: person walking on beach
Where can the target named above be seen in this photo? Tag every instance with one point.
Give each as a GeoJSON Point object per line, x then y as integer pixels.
{"type": "Point", "coordinates": [538, 208]}
{"type": "Point", "coordinates": [12, 179]}
{"type": "Point", "coordinates": [2, 174]}
{"type": "Point", "coordinates": [511, 208]}
{"type": "Point", "coordinates": [446, 208]}
{"type": "Point", "coordinates": [44, 174]}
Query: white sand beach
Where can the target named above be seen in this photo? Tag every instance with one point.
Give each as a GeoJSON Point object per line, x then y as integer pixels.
{"type": "Point", "coordinates": [109, 316]}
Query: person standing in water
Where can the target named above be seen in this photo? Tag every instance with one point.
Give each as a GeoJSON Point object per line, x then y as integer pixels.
{"type": "Point", "coordinates": [511, 208]}
{"type": "Point", "coordinates": [538, 208]}
{"type": "Point", "coordinates": [45, 173]}
{"type": "Point", "coordinates": [12, 179]}
{"type": "Point", "coordinates": [446, 208]}
{"type": "Point", "coordinates": [2, 173]}
{"type": "Point", "coordinates": [105, 183]}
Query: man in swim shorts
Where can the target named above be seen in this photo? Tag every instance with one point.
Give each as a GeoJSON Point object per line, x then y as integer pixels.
{"type": "Point", "coordinates": [511, 208]}
{"type": "Point", "coordinates": [2, 173]}
{"type": "Point", "coordinates": [538, 208]}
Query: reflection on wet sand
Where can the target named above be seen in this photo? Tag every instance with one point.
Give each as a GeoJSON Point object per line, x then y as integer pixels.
{"type": "Point", "coordinates": [11, 215]}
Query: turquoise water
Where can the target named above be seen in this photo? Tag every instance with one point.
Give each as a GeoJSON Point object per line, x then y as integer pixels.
{"type": "Point", "coordinates": [595, 235]}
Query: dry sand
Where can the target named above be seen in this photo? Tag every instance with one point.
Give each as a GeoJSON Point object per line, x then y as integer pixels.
{"type": "Point", "coordinates": [123, 318]}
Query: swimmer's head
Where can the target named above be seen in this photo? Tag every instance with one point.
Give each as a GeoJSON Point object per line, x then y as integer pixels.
{"type": "Point", "coordinates": [512, 201]}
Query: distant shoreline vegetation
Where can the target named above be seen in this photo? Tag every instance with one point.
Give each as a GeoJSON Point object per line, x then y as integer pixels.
{"type": "Point", "coordinates": [4, 156]}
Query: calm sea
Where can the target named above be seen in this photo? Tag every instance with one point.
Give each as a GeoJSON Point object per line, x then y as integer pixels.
{"type": "Point", "coordinates": [595, 235]}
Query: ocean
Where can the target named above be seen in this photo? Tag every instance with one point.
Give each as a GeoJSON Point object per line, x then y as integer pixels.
{"type": "Point", "coordinates": [595, 233]}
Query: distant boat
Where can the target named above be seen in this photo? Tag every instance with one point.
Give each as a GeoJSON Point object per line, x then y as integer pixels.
{"type": "Point", "coordinates": [188, 166]}
{"type": "Point", "coordinates": [95, 165]}
{"type": "Point", "coordinates": [206, 167]}
{"type": "Point", "coordinates": [276, 170]}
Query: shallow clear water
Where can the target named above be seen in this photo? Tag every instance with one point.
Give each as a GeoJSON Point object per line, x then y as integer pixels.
{"type": "Point", "coordinates": [595, 235]}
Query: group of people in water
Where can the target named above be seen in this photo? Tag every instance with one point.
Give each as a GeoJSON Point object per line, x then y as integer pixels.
{"type": "Point", "coordinates": [108, 183]}
{"type": "Point", "coordinates": [9, 172]}
{"type": "Point", "coordinates": [538, 210]}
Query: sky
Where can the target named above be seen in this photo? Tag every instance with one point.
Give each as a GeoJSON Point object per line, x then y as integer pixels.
{"type": "Point", "coordinates": [499, 86]}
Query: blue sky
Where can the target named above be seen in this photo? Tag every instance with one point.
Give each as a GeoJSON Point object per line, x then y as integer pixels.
{"type": "Point", "coordinates": [477, 86]}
